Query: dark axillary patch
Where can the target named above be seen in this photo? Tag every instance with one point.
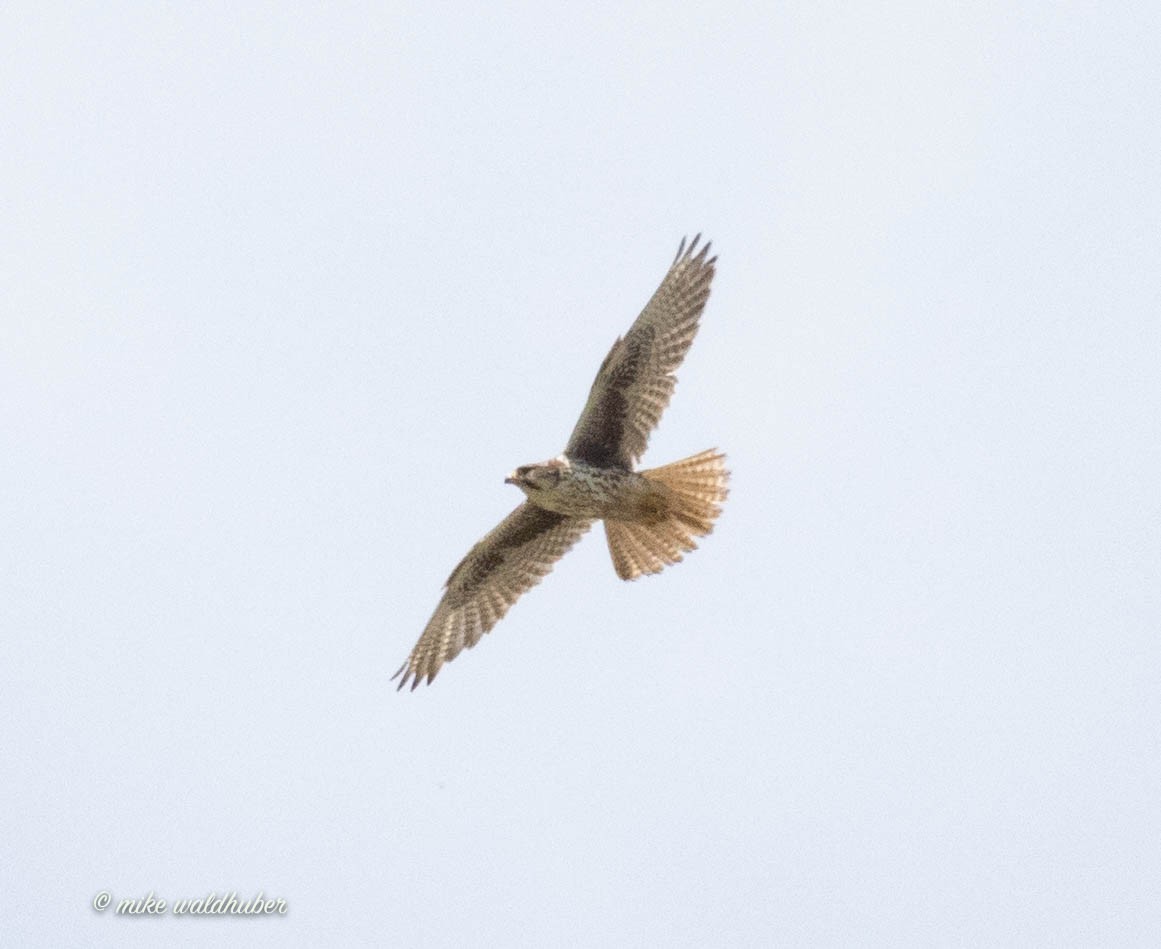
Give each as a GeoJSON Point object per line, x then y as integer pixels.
{"type": "Point", "coordinates": [531, 523]}
{"type": "Point", "coordinates": [605, 431]}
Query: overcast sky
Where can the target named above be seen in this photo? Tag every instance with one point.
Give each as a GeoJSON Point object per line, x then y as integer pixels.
{"type": "Point", "coordinates": [287, 291]}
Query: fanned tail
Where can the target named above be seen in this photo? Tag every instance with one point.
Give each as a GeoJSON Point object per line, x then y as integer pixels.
{"type": "Point", "coordinates": [693, 489]}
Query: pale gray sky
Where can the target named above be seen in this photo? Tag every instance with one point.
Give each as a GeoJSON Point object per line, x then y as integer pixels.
{"type": "Point", "coordinates": [287, 292]}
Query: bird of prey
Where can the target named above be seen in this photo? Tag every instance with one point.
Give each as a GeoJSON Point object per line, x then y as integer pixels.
{"type": "Point", "coordinates": [651, 517]}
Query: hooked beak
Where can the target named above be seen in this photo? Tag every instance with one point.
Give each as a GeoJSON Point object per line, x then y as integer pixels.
{"type": "Point", "coordinates": [512, 479]}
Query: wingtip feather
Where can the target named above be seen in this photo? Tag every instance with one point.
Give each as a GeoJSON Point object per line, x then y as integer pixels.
{"type": "Point", "coordinates": [691, 252]}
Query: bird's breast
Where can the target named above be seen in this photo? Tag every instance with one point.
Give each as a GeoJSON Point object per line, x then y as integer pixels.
{"type": "Point", "coordinates": [587, 491]}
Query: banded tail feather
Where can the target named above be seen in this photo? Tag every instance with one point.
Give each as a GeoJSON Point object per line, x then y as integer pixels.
{"type": "Point", "coordinates": [694, 489]}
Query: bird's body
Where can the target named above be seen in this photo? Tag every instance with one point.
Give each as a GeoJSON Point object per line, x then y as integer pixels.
{"type": "Point", "coordinates": [651, 517]}
{"type": "Point", "coordinates": [583, 490]}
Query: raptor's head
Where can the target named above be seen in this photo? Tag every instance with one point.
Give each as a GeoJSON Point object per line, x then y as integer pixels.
{"type": "Point", "coordinates": [532, 479]}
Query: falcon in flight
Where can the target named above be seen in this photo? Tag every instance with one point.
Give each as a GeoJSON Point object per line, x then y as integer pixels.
{"type": "Point", "coordinates": [651, 517]}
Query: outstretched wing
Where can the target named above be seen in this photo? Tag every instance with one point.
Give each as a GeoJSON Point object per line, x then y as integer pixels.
{"type": "Point", "coordinates": [511, 559]}
{"type": "Point", "coordinates": [636, 379]}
